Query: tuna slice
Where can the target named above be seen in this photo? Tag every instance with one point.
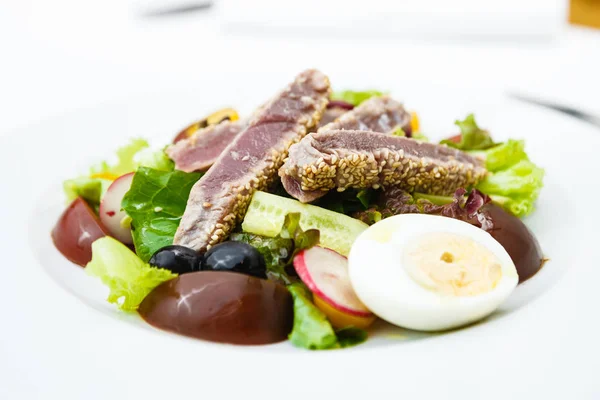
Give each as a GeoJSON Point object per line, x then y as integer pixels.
{"type": "Point", "coordinates": [331, 114]}
{"type": "Point", "coordinates": [378, 114]}
{"type": "Point", "coordinates": [357, 159]}
{"type": "Point", "coordinates": [220, 198]}
{"type": "Point", "coordinates": [201, 150]}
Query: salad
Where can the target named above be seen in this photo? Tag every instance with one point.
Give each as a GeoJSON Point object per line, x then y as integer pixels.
{"type": "Point", "coordinates": [308, 220]}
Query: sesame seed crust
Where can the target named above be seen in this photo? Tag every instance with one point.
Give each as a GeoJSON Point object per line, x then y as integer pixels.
{"type": "Point", "coordinates": [251, 161]}
{"type": "Point", "coordinates": [360, 159]}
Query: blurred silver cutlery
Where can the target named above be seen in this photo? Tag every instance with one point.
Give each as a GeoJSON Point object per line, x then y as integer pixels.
{"type": "Point", "coordinates": [571, 111]}
{"type": "Point", "coordinates": [173, 8]}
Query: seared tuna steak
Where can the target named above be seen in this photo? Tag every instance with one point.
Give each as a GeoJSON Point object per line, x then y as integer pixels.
{"type": "Point", "coordinates": [220, 198]}
{"type": "Point", "coordinates": [342, 159]}
{"type": "Point", "coordinates": [378, 114]}
{"type": "Point", "coordinates": [201, 150]}
{"type": "Point", "coordinates": [331, 114]}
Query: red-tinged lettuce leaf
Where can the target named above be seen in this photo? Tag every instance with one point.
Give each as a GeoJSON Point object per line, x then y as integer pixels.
{"type": "Point", "coordinates": [394, 201]}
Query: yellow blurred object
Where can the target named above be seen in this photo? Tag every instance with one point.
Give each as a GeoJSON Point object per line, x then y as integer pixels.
{"type": "Point", "coordinates": [104, 175]}
{"type": "Point", "coordinates": [414, 121]}
{"type": "Point", "coordinates": [222, 115]}
{"type": "Point", "coordinates": [585, 12]}
{"type": "Point", "coordinates": [340, 319]}
{"type": "Point", "coordinates": [194, 127]}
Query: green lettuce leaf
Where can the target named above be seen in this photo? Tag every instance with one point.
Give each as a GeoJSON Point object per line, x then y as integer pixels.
{"type": "Point", "coordinates": [279, 251]}
{"type": "Point", "coordinates": [502, 155]}
{"type": "Point", "coordinates": [155, 159]}
{"type": "Point", "coordinates": [355, 97]}
{"type": "Point", "coordinates": [513, 182]}
{"type": "Point", "coordinates": [346, 202]}
{"type": "Point", "coordinates": [276, 252]}
{"type": "Point", "coordinates": [434, 199]}
{"type": "Point", "coordinates": [90, 189]}
{"type": "Point", "coordinates": [351, 336]}
{"type": "Point", "coordinates": [420, 136]}
{"type": "Point", "coordinates": [472, 137]}
{"type": "Point", "coordinates": [399, 132]}
{"type": "Point", "coordinates": [311, 328]}
{"type": "Point", "coordinates": [364, 196]}
{"type": "Point", "coordinates": [515, 188]}
{"type": "Point", "coordinates": [125, 155]}
{"type": "Point", "coordinates": [128, 278]}
{"type": "Point", "coordinates": [155, 203]}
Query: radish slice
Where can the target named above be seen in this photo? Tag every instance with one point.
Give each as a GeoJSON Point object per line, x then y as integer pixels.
{"type": "Point", "coordinates": [110, 211]}
{"type": "Point", "coordinates": [325, 272]}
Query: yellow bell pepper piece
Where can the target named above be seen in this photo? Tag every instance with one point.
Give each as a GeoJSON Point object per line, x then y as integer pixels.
{"type": "Point", "coordinates": [104, 175]}
{"type": "Point", "coordinates": [414, 121]}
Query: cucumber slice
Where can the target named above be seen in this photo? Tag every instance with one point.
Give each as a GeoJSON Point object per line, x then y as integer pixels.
{"type": "Point", "coordinates": [266, 213]}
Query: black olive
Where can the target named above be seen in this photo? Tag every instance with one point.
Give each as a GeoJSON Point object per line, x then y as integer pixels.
{"type": "Point", "coordinates": [178, 259]}
{"type": "Point", "coordinates": [235, 257]}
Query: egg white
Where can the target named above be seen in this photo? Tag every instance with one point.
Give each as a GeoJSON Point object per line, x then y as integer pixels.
{"type": "Point", "coordinates": [383, 284]}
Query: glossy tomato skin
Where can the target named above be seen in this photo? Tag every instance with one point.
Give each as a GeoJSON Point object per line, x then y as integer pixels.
{"type": "Point", "coordinates": [517, 240]}
{"type": "Point", "coordinates": [221, 306]}
{"type": "Point", "coordinates": [77, 228]}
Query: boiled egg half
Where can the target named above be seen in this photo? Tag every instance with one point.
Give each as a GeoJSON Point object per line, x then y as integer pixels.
{"type": "Point", "coordinates": [430, 273]}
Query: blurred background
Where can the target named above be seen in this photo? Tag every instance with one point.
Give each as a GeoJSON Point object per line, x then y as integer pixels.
{"type": "Point", "coordinates": [60, 55]}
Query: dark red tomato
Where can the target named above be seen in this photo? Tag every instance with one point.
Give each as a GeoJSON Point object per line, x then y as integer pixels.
{"type": "Point", "coordinates": [518, 241]}
{"type": "Point", "coordinates": [221, 306]}
{"type": "Point", "coordinates": [77, 228]}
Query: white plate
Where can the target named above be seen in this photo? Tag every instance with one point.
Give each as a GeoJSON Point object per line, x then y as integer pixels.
{"type": "Point", "coordinates": [542, 342]}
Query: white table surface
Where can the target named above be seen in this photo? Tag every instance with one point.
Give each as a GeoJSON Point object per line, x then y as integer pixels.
{"type": "Point", "coordinates": [63, 54]}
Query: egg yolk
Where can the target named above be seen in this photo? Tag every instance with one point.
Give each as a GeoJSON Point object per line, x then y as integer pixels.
{"type": "Point", "coordinates": [452, 264]}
